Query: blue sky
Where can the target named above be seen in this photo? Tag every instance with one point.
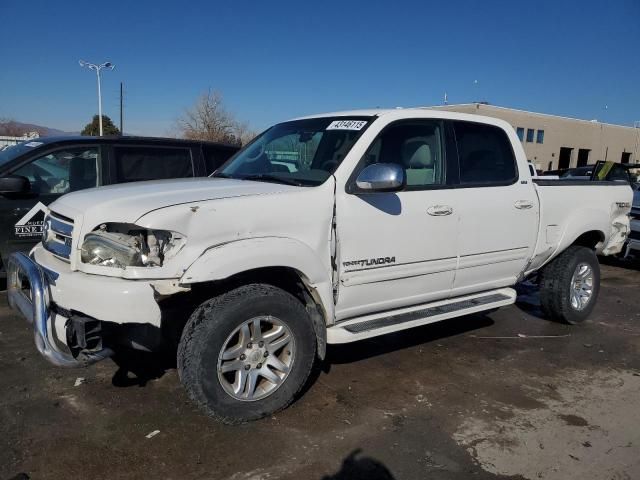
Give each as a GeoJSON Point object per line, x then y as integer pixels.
{"type": "Point", "coordinates": [279, 59]}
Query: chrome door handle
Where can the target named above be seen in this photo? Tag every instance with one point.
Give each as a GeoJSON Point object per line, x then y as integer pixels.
{"type": "Point", "coordinates": [439, 210]}
{"type": "Point", "coordinates": [523, 204]}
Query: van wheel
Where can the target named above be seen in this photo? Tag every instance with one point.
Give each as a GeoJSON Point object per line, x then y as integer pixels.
{"type": "Point", "coordinates": [569, 285]}
{"type": "Point", "coordinates": [247, 353]}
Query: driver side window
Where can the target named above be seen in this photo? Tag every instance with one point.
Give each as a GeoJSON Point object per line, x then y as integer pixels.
{"type": "Point", "coordinates": [62, 171]}
{"type": "Point", "coordinates": [417, 147]}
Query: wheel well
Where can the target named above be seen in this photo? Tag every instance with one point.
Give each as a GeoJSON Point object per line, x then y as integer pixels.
{"type": "Point", "coordinates": [589, 239]}
{"type": "Point", "coordinates": [288, 279]}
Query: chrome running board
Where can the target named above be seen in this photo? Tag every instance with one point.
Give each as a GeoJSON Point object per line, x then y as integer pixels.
{"type": "Point", "coordinates": [379, 324]}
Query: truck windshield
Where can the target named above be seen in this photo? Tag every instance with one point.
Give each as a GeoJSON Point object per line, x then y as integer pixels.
{"type": "Point", "coordinates": [302, 152]}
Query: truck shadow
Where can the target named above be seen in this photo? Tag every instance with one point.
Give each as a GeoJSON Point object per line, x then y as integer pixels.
{"type": "Point", "coordinates": [136, 369]}
{"type": "Point", "coordinates": [632, 263]}
{"type": "Point", "coordinates": [529, 299]}
{"type": "Point", "coordinates": [373, 347]}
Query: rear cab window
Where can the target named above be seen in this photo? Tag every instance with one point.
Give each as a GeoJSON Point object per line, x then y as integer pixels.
{"type": "Point", "coordinates": [485, 155]}
{"type": "Point", "coordinates": [139, 163]}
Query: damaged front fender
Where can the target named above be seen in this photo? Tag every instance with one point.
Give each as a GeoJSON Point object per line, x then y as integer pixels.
{"type": "Point", "coordinates": [228, 259]}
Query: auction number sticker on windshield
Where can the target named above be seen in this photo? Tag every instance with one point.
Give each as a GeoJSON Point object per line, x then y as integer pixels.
{"type": "Point", "coordinates": [347, 125]}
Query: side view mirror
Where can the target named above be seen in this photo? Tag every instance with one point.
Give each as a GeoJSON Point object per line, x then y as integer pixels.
{"type": "Point", "coordinates": [14, 184]}
{"type": "Point", "coordinates": [381, 177]}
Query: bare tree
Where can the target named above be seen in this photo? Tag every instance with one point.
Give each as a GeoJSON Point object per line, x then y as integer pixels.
{"type": "Point", "coordinates": [244, 132]}
{"type": "Point", "coordinates": [208, 119]}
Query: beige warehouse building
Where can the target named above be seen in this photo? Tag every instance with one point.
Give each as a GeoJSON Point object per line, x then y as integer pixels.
{"type": "Point", "coordinates": [552, 142]}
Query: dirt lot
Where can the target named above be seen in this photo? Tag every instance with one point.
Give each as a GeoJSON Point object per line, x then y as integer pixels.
{"type": "Point", "coordinates": [477, 397]}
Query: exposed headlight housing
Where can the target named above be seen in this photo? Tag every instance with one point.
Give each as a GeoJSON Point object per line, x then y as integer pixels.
{"type": "Point", "coordinates": [124, 245]}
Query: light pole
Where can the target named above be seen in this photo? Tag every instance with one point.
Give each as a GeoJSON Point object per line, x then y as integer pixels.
{"type": "Point", "coordinates": [97, 69]}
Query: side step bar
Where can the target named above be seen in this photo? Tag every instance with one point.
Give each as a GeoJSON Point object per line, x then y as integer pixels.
{"type": "Point", "coordinates": [379, 324]}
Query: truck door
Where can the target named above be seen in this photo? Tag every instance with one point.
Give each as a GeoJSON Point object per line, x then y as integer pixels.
{"type": "Point", "coordinates": [498, 210]}
{"type": "Point", "coordinates": [51, 175]}
{"type": "Point", "coordinates": [399, 249]}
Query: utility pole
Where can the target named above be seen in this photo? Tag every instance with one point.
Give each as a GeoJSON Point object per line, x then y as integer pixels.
{"type": "Point", "coordinates": [97, 68]}
{"type": "Point", "coordinates": [121, 124]}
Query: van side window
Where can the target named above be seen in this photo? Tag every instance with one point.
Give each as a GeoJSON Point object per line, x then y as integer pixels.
{"type": "Point", "coordinates": [134, 164]}
{"type": "Point", "coordinates": [62, 171]}
{"type": "Point", "coordinates": [417, 147]}
{"type": "Point", "coordinates": [485, 155]}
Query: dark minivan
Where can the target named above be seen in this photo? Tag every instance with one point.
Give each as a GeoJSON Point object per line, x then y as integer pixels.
{"type": "Point", "coordinates": [36, 172]}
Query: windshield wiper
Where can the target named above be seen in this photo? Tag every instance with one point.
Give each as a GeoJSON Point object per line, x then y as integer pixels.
{"type": "Point", "coordinates": [220, 175]}
{"type": "Point", "coordinates": [265, 177]}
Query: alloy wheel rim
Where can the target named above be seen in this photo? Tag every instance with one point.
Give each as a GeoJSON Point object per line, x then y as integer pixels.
{"type": "Point", "coordinates": [256, 358]}
{"type": "Point", "coordinates": [581, 289]}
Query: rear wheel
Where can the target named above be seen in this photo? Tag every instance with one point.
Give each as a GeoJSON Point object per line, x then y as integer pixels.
{"type": "Point", "coordinates": [569, 285]}
{"type": "Point", "coordinates": [247, 353]}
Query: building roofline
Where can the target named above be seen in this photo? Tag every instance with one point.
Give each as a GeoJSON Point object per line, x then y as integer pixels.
{"type": "Point", "coordinates": [591, 122]}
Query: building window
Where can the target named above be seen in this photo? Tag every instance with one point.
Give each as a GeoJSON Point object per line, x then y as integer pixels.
{"type": "Point", "coordinates": [540, 136]}
{"type": "Point", "coordinates": [583, 157]}
{"type": "Point", "coordinates": [530, 135]}
{"type": "Point", "coordinates": [520, 132]}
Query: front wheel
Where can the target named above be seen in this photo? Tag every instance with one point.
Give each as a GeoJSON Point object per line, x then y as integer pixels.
{"type": "Point", "coordinates": [569, 285]}
{"type": "Point", "coordinates": [247, 353]}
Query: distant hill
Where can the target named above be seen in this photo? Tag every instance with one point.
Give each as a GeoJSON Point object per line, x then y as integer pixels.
{"type": "Point", "coordinates": [16, 129]}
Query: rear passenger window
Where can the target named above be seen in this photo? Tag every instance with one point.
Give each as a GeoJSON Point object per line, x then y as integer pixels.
{"type": "Point", "coordinates": [134, 164]}
{"type": "Point", "coordinates": [485, 154]}
{"type": "Point", "coordinates": [417, 147]}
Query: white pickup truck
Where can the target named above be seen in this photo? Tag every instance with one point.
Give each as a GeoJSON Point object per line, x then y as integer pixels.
{"type": "Point", "coordinates": [325, 229]}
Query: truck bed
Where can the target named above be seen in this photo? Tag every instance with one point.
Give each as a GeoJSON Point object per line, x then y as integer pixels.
{"type": "Point", "coordinates": [580, 207]}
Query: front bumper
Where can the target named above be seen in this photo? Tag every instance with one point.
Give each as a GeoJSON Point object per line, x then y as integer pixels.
{"type": "Point", "coordinates": [33, 301]}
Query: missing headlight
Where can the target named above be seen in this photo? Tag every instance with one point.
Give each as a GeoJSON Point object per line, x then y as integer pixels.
{"type": "Point", "coordinates": [125, 245]}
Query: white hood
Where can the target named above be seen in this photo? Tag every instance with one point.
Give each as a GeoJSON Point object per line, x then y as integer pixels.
{"type": "Point", "coordinates": [129, 201]}
{"type": "Point", "coordinates": [207, 211]}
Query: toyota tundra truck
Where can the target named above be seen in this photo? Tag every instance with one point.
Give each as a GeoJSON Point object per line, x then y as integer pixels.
{"type": "Point", "coordinates": [326, 229]}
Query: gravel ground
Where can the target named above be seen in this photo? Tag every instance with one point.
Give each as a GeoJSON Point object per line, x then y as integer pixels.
{"type": "Point", "coordinates": [506, 395]}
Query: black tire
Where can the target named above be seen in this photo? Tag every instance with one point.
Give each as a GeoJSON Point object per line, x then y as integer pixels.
{"type": "Point", "coordinates": [555, 285]}
{"type": "Point", "coordinates": [205, 335]}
